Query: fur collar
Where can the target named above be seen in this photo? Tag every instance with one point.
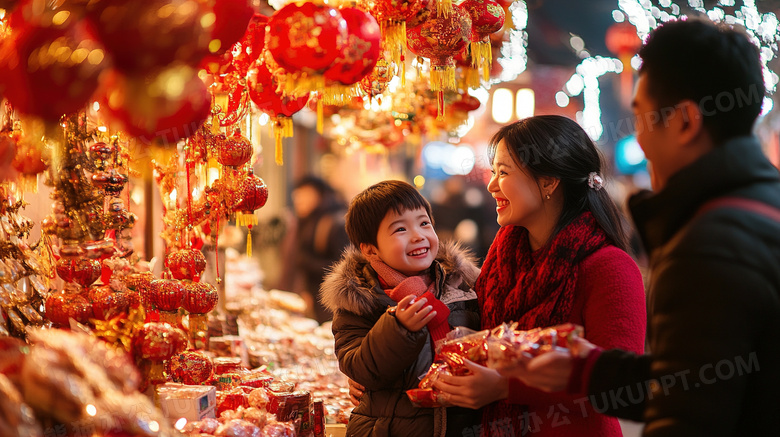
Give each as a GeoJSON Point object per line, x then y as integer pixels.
{"type": "Point", "coordinates": [346, 287]}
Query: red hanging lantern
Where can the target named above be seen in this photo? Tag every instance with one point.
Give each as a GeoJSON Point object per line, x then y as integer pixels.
{"type": "Point", "coordinates": [48, 70]}
{"type": "Point", "coordinates": [60, 307]}
{"type": "Point", "coordinates": [168, 296]}
{"type": "Point", "coordinates": [487, 17]}
{"type": "Point", "coordinates": [264, 92]}
{"type": "Point", "coordinates": [201, 299]}
{"type": "Point", "coordinates": [234, 151]}
{"type": "Point", "coordinates": [361, 51]}
{"type": "Point", "coordinates": [252, 195]}
{"type": "Point", "coordinates": [623, 41]}
{"type": "Point", "coordinates": [306, 37]}
{"type": "Point", "coordinates": [141, 282]}
{"type": "Point", "coordinates": [439, 39]}
{"type": "Point", "coordinates": [168, 105]}
{"type": "Point", "coordinates": [231, 21]}
{"type": "Point", "coordinates": [82, 271]}
{"type": "Point", "coordinates": [152, 34]}
{"type": "Point", "coordinates": [107, 303]}
{"type": "Point", "coordinates": [186, 264]}
{"type": "Point", "coordinates": [191, 367]}
{"type": "Point", "coordinates": [152, 345]}
{"type": "Point", "coordinates": [392, 16]}
{"type": "Point", "coordinates": [377, 80]}
{"type": "Point", "coordinates": [249, 48]}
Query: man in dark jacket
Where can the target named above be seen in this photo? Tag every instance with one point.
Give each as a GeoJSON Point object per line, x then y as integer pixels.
{"type": "Point", "coordinates": [713, 367]}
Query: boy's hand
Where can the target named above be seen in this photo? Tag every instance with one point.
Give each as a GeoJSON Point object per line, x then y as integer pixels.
{"type": "Point", "coordinates": [414, 316]}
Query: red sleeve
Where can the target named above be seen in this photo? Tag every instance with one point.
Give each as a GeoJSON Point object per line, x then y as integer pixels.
{"type": "Point", "coordinates": [610, 301]}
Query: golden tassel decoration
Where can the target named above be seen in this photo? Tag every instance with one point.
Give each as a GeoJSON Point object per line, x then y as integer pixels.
{"type": "Point", "coordinates": [249, 242]}
{"type": "Point", "coordinates": [443, 8]}
{"type": "Point", "coordinates": [440, 105]}
{"type": "Point", "coordinates": [394, 39]}
{"type": "Point", "coordinates": [277, 127]}
{"type": "Point", "coordinates": [443, 78]}
{"type": "Point", "coordinates": [482, 58]}
{"type": "Point", "coordinates": [320, 116]}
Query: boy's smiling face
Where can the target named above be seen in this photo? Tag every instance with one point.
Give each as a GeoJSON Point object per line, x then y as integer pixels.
{"type": "Point", "coordinates": [406, 241]}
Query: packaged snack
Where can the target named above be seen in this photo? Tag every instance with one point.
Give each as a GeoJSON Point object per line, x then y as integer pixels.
{"type": "Point", "coordinates": [506, 345]}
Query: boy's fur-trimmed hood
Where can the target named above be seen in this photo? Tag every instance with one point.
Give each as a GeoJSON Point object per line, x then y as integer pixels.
{"type": "Point", "coordinates": [346, 288]}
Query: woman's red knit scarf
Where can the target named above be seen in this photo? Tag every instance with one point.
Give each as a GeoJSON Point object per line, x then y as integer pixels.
{"type": "Point", "coordinates": [535, 289]}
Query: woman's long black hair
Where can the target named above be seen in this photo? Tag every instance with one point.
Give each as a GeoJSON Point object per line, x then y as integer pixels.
{"type": "Point", "coordinates": [555, 146]}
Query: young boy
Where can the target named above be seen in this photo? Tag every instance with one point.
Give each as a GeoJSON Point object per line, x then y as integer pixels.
{"type": "Point", "coordinates": [394, 293]}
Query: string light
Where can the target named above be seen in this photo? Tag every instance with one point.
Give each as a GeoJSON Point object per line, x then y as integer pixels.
{"type": "Point", "coordinates": [514, 55]}
{"type": "Point", "coordinates": [585, 81]}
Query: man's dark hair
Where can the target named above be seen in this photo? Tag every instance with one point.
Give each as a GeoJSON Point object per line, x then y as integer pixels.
{"type": "Point", "coordinates": [368, 209]}
{"type": "Point", "coordinates": [714, 65]}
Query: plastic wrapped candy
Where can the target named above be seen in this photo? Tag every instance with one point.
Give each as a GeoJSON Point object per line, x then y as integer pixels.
{"type": "Point", "coordinates": [205, 426]}
{"type": "Point", "coordinates": [506, 345]}
{"type": "Point", "coordinates": [424, 397]}
{"type": "Point", "coordinates": [238, 428]}
{"type": "Point", "coordinates": [279, 429]}
{"type": "Point", "coordinates": [471, 347]}
{"type": "Point", "coordinates": [258, 398]}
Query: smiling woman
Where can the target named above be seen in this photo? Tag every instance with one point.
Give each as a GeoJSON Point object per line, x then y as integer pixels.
{"type": "Point", "coordinates": [559, 257]}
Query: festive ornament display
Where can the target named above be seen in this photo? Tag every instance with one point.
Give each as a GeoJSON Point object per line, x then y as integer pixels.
{"type": "Point", "coordinates": [191, 367]}
{"type": "Point", "coordinates": [439, 39]}
{"type": "Point", "coordinates": [49, 66]}
{"type": "Point", "coordinates": [107, 303]}
{"type": "Point", "coordinates": [186, 264]}
{"type": "Point", "coordinates": [82, 271]}
{"type": "Point", "coordinates": [152, 345]}
{"type": "Point", "coordinates": [231, 18]}
{"type": "Point", "coordinates": [201, 299]}
{"type": "Point", "coordinates": [148, 35]}
{"type": "Point", "coordinates": [168, 296]}
{"type": "Point", "coordinates": [361, 51]}
{"type": "Point", "coordinates": [61, 307]}
{"type": "Point", "coordinates": [487, 17]}
{"type": "Point", "coordinates": [233, 151]}
{"type": "Point", "coordinates": [166, 106]}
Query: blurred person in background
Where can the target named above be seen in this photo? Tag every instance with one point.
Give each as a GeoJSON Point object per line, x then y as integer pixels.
{"type": "Point", "coordinates": [314, 241]}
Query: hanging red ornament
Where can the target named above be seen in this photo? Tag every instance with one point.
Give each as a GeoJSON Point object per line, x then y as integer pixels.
{"type": "Point", "coordinates": [110, 182]}
{"type": "Point", "coordinates": [252, 195]}
{"type": "Point", "coordinates": [60, 307]}
{"type": "Point", "coordinates": [168, 105]}
{"type": "Point", "coordinates": [487, 17]}
{"type": "Point", "coordinates": [186, 264]}
{"type": "Point", "coordinates": [234, 151]}
{"type": "Point", "coordinates": [49, 67]}
{"type": "Point", "coordinates": [141, 282]}
{"type": "Point", "coordinates": [167, 296]}
{"type": "Point", "coordinates": [231, 18]}
{"type": "Point", "coordinates": [264, 92]}
{"type": "Point", "coordinates": [191, 367]}
{"type": "Point", "coordinates": [361, 51]}
{"type": "Point", "coordinates": [439, 39]}
{"type": "Point", "coordinates": [378, 79]}
{"type": "Point", "coordinates": [306, 37]}
{"type": "Point", "coordinates": [392, 16]}
{"type": "Point", "coordinates": [146, 35]}
{"type": "Point", "coordinates": [82, 271]}
{"type": "Point", "coordinates": [107, 303]}
{"type": "Point", "coordinates": [201, 299]}
{"type": "Point", "coordinates": [152, 345]}
{"type": "Point", "coordinates": [249, 48]}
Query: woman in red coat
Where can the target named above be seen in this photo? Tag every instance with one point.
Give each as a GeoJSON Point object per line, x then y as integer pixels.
{"type": "Point", "coordinates": [558, 257]}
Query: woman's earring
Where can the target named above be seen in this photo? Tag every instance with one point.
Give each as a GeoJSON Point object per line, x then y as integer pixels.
{"type": "Point", "coordinates": [547, 196]}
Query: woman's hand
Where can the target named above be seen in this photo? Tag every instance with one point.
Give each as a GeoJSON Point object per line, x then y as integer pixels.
{"type": "Point", "coordinates": [483, 386]}
{"type": "Point", "coordinates": [414, 316]}
{"type": "Point", "coordinates": [355, 392]}
{"type": "Point", "coordinates": [550, 371]}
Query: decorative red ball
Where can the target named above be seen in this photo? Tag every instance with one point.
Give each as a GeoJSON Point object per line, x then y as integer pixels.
{"type": "Point", "coordinates": [395, 10]}
{"type": "Point", "coordinates": [441, 37]}
{"type": "Point", "coordinates": [158, 341]}
{"type": "Point", "coordinates": [361, 52]}
{"type": "Point", "coordinates": [250, 46]}
{"type": "Point", "coordinates": [146, 35]}
{"type": "Point", "coordinates": [60, 307]}
{"type": "Point", "coordinates": [487, 16]}
{"type": "Point", "coordinates": [306, 36]}
{"type": "Point", "coordinates": [201, 297]}
{"type": "Point", "coordinates": [186, 264]}
{"type": "Point", "coordinates": [234, 151]}
{"type": "Point", "coordinates": [82, 271]}
{"type": "Point", "coordinates": [168, 105]}
{"type": "Point", "coordinates": [48, 70]}
{"type": "Point", "coordinates": [168, 294]}
{"type": "Point", "coordinates": [253, 194]}
{"type": "Point", "coordinates": [465, 103]}
{"type": "Point", "coordinates": [191, 367]}
{"type": "Point", "coordinates": [263, 86]}
{"type": "Point", "coordinates": [107, 303]}
{"type": "Point", "coordinates": [231, 20]}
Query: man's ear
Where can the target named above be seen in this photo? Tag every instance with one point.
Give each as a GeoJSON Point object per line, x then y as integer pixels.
{"type": "Point", "coordinates": [368, 249]}
{"type": "Point", "coordinates": [690, 125]}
